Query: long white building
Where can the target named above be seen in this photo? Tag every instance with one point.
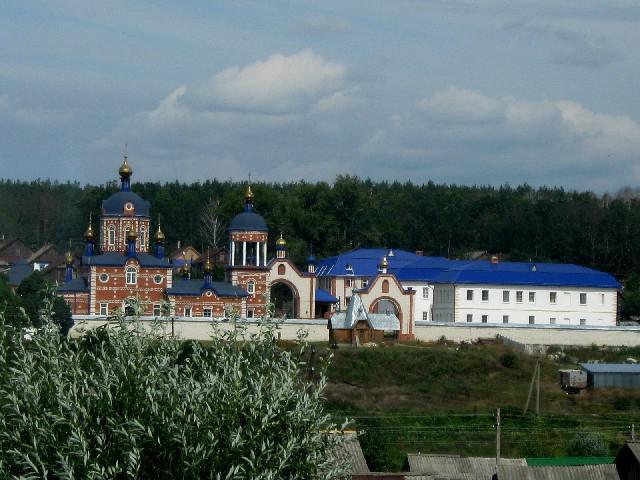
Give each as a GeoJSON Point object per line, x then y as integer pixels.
{"type": "Point", "coordinates": [492, 292]}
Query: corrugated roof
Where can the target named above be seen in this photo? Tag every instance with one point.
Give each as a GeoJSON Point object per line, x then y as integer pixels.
{"type": "Point", "coordinates": [356, 312]}
{"type": "Point", "coordinates": [611, 367]}
{"type": "Point", "coordinates": [458, 467]}
{"type": "Point", "coordinates": [196, 287]}
{"type": "Point", "coordinates": [525, 273]}
{"type": "Point", "coordinates": [364, 262]}
{"type": "Point", "coordinates": [349, 451]}
{"type": "Point", "coordinates": [582, 472]}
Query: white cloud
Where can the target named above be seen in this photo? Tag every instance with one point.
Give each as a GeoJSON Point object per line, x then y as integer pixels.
{"type": "Point", "coordinates": [278, 84]}
{"type": "Point", "coordinates": [473, 137]}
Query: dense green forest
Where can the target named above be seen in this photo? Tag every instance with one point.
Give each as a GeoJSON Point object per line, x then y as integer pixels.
{"type": "Point", "coordinates": [543, 224]}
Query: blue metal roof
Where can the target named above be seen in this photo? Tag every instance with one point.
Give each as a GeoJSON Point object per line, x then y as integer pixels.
{"type": "Point", "coordinates": [364, 262]}
{"type": "Point", "coordinates": [324, 296]}
{"type": "Point", "coordinates": [114, 205]}
{"type": "Point", "coordinates": [112, 259]}
{"type": "Point", "coordinates": [526, 273]}
{"type": "Point", "coordinates": [248, 221]}
{"type": "Point", "coordinates": [75, 285]}
{"type": "Point", "coordinates": [611, 367]}
{"type": "Point", "coordinates": [196, 287]}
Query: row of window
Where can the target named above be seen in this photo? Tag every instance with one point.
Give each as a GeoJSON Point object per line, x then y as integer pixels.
{"type": "Point", "coordinates": [131, 277]}
{"type": "Point", "coordinates": [111, 236]}
{"type": "Point", "coordinates": [532, 319]}
{"type": "Point", "coordinates": [553, 296]}
{"type": "Point", "coordinates": [157, 311]}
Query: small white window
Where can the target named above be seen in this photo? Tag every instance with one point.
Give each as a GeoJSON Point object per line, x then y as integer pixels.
{"type": "Point", "coordinates": [505, 318]}
{"type": "Point", "coordinates": [469, 316]}
{"type": "Point", "coordinates": [553, 297]}
{"type": "Point", "coordinates": [104, 309]}
{"type": "Point", "coordinates": [250, 313]}
{"type": "Point", "coordinates": [157, 310]}
{"type": "Point", "coordinates": [187, 311]}
{"type": "Point", "coordinates": [103, 277]}
{"type": "Point", "coordinates": [132, 276]}
{"type": "Point", "coordinates": [602, 299]}
{"type": "Point", "coordinates": [485, 295]}
{"type": "Point", "coordinates": [532, 319]}
{"type": "Point", "coordinates": [583, 299]}
{"type": "Point", "coordinates": [207, 313]}
{"type": "Point", "coordinates": [251, 287]}
{"type": "Point", "coordinates": [111, 236]}
{"type": "Point", "coordinates": [532, 297]}
{"type": "Point", "coordinates": [425, 292]}
{"type": "Point", "coordinates": [519, 296]}
{"type": "Point", "coordinates": [505, 296]}
{"type": "Point", "coordinates": [469, 294]}
{"type": "Point", "coordinates": [425, 315]}
{"type": "Point", "coordinates": [157, 279]}
{"type": "Point", "coordinates": [485, 318]}
{"type": "Point", "coordinates": [583, 321]}
{"type": "Point", "coordinates": [347, 282]}
{"type": "Point", "coordinates": [552, 321]}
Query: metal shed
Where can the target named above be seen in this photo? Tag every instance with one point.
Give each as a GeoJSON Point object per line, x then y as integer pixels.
{"type": "Point", "coordinates": [583, 472]}
{"type": "Point", "coordinates": [612, 375]}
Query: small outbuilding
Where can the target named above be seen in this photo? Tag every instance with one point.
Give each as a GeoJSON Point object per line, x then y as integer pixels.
{"type": "Point", "coordinates": [357, 326]}
{"type": "Point", "coordinates": [581, 472]}
{"type": "Point", "coordinates": [612, 375]}
{"type": "Point", "coordinates": [628, 461]}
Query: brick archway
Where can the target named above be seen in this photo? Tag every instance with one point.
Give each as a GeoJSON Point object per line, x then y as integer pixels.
{"type": "Point", "coordinates": [374, 304]}
{"type": "Point", "coordinates": [294, 293]}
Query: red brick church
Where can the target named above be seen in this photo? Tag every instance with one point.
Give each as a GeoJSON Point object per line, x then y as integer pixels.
{"type": "Point", "coordinates": [126, 267]}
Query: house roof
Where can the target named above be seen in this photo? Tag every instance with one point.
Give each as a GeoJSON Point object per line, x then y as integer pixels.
{"type": "Point", "coordinates": [114, 205]}
{"type": "Point", "coordinates": [349, 451]}
{"type": "Point", "coordinates": [356, 313]}
{"type": "Point", "coordinates": [113, 259]}
{"type": "Point", "coordinates": [324, 296]}
{"type": "Point", "coordinates": [75, 285]}
{"type": "Point", "coordinates": [18, 272]}
{"type": "Point", "coordinates": [454, 466]}
{"type": "Point", "coordinates": [364, 262]}
{"type": "Point", "coordinates": [580, 472]}
{"type": "Point", "coordinates": [196, 287]}
{"type": "Point", "coordinates": [611, 367]}
{"type": "Point", "coordinates": [526, 273]}
{"type": "Point", "coordinates": [42, 251]}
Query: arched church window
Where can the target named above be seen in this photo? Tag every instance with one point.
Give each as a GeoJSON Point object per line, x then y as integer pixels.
{"type": "Point", "coordinates": [132, 276]}
{"type": "Point", "coordinates": [143, 237]}
{"type": "Point", "coordinates": [281, 269]}
{"type": "Point", "coordinates": [385, 286]}
{"type": "Point", "coordinates": [251, 287]}
{"type": "Point", "coordinates": [111, 235]}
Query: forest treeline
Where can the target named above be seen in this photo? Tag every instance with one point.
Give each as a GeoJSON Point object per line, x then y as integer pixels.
{"type": "Point", "coordinates": [542, 224]}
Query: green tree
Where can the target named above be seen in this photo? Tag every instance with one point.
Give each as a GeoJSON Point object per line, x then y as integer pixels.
{"type": "Point", "coordinates": [32, 292]}
{"type": "Point", "coordinates": [126, 402]}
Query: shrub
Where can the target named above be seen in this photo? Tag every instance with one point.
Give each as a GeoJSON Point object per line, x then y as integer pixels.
{"type": "Point", "coordinates": [622, 403]}
{"type": "Point", "coordinates": [587, 444]}
{"type": "Point", "coordinates": [509, 360]}
{"type": "Point", "coordinates": [124, 402]}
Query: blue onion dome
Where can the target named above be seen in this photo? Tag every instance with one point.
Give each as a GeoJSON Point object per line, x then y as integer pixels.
{"type": "Point", "coordinates": [311, 260]}
{"type": "Point", "coordinates": [248, 221]}
{"type": "Point", "coordinates": [116, 203]}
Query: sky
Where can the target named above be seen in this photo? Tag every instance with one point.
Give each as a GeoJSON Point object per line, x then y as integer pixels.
{"type": "Point", "coordinates": [453, 91]}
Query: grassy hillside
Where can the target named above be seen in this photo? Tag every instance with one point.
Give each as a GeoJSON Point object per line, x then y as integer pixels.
{"type": "Point", "coordinates": [441, 398]}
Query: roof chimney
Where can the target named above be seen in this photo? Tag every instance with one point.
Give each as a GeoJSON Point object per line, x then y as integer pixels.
{"type": "Point", "coordinates": [494, 259]}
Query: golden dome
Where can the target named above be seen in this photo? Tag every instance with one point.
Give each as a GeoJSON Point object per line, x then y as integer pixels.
{"type": "Point", "coordinates": [159, 235]}
{"type": "Point", "coordinates": [88, 234]}
{"type": "Point", "coordinates": [125, 170]}
{"type": "Point", "coordinates": [384, 263]}
{"type": "Point", "coordinates": [68, 257]}
{"type": "Point", "coordinates": [208, 267]}
{"type": "Point", "coordinates": [248, 196]}
{"type": "Point", "coordinates": [281, 242]}
{"type": "Point", "coordinates": [131, 235]}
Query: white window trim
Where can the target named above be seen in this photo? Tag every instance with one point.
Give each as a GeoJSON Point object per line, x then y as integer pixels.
{"type": "Point", "coordinates": [133, 270]}
{"type": "Point", "coordinates": [106, 309]}
{"type": "Point", "coordinates": [251, 287]}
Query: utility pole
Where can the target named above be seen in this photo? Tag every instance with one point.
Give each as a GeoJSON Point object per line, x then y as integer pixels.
{"type": "Point", "coordinates": [498, 437]}
{"type": "Point", "coordinates": [538, 391]}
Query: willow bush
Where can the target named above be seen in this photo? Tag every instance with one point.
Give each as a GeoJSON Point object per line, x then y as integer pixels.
{"type": "Point", "coordinates": [126, 402]}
